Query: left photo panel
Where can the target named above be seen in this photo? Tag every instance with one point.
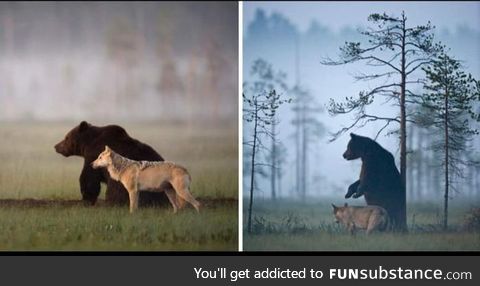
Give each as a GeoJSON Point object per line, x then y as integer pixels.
{"type": "Point", "coordinates": [119, 126]}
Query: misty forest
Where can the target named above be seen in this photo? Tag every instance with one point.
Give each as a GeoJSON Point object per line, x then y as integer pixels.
{"type": "Point", "coordinates": [409, 85]}
{"type": "Point", "coordinates": [147, 61]}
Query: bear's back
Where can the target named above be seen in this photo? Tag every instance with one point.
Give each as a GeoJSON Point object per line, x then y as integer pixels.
{"type": "Point", "coordinates": [118, 139]}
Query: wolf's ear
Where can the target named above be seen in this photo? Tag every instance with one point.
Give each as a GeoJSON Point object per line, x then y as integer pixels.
{"type": "Point", "coordinates": [83, 126]}
{"type": "Point", "coordinates": [345, 205]}
{"type": "Point", "coordinates": [107, 148]}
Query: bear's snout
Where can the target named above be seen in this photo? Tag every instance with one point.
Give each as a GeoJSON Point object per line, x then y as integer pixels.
{"type": "Point", "coordinates": [60, 148]}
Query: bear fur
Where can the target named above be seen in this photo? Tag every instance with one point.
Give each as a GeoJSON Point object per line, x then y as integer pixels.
{"type": "Point", "coordinates": [88, 141]}
{"type": "Point", "coordinates": [380, 182]}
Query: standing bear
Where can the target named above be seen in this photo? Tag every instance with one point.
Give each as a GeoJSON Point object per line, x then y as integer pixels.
{"type": "Point", "coordinates": [88, 141]}
{"type": "Point", "coordinates": [380, 182]}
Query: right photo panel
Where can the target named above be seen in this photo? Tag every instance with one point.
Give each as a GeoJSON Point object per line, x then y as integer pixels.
{"type": "Point", "coordinates": [360, 126]}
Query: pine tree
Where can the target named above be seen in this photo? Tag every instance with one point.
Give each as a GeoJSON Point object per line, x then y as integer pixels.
{"type": "Point", "coordinates": [261, 101]}
{"type": "Point", "coordinates": [450, 95]}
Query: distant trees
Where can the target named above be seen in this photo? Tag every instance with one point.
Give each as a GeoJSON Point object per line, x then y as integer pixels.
{"type": "Point", "coordinates": [450, 97]}
{"type": "Point", "coordinates": [307, 129]}
{"type": "Point", "coordinates": [260, 104]}
{"type": "Point", "coordinates": [396, 51]}
{"type": "Point", "coordinates": [123, 51]}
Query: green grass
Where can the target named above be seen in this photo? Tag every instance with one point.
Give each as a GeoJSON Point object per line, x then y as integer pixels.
{"type": "Point", "coordinates": [113, 228]}
{"type": "Point", "coordinates": [288, 225]}
{"type": "Point", "coordinates": [31, 169]}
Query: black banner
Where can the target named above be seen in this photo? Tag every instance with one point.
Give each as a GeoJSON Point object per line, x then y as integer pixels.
{"type": "Point", "coordinates": [238, 269]}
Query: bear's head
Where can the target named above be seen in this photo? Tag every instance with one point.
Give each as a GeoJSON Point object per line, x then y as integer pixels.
{"type": "Point", "coordinates": [72, 144]}
{"type": "Point", "coordinates": [355, 148]}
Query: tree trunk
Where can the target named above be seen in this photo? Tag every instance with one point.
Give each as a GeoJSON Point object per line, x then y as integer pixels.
{"type": "Point", "coordinates": [274, 161]}
{"type": "Point", "coordinates": [279, 180]}
{"type": "Point", "coordinates": [420, 165]}
{"type": "Point", "coordinates": [297, 145]}
{"type": "Point", "coordinates": [403, 133]}
{"type": "Point", "coordinates": [252, 176]}
{"type": "Point", "coordinates": [445, 206]}
{"type": "Point", "coordinates": [411, 159]}
{"type": "Point", "coordinates": [304, 154]}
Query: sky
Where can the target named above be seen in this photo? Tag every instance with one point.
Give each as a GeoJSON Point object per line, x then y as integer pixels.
{"type": "Point", "coordinates": [339, 14]}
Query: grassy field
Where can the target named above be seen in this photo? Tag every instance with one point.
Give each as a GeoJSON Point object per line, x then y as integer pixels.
{"type": "Point", "coordinates": [31, 169]}
{"type": "Point", "coordinates": [288, 225]}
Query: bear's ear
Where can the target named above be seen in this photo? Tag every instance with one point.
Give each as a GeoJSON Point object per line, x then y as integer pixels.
{"type": "Point", "coordinates": [83, 126]}
{"type": "Point", "coordinates": [353, 135]}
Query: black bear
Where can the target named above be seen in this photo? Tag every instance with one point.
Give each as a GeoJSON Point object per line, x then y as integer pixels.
{"type": "Point", "coordinates": [380, 182]}
{"type": "Point", "coordinates": [88, 141]}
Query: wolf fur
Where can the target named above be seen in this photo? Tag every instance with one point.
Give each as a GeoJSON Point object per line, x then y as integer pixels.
{"type": "Point", "coordinates": [370, 218]}
{"type": "Point", "coordinates": [138, 176]}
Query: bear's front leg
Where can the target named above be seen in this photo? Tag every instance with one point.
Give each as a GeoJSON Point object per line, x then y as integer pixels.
{"type": "Point", "coordinates": [352, 189]}
{"type": "Point", "coordinates": [359, 192]}
{"type": "Point", "coordinates": [90, 184]}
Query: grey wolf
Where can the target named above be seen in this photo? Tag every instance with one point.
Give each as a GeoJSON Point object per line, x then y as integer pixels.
{"type": "Point", "coordinates": [370, 218]}
{"type": "Point", "coordinates": [137, 176]}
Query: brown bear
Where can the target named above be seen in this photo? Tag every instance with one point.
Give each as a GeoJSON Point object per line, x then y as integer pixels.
{"type": "Point", "coordinates": [88, 141]}
{"type": "Point", "coordinates": [380, 182]}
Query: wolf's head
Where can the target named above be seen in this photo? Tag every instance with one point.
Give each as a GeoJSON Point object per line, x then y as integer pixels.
{"type": "Point", "coordinates": [339, 213]}
{"type": "Point", "coordinates": [104, 159]}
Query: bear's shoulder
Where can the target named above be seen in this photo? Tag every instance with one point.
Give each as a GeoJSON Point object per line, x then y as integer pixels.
{"type": "Point", "coordinates": [113, 131]}
{"type": "Point", "coordinates": [375, 151]}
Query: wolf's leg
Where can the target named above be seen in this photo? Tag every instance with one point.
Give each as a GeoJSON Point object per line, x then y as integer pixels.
{"type": "Point", "coordinates": [181, 186]}
{"type": "Point", "coordinates": [172, 197]}
{"type": "Point", "coordinates": [180, 202]}
{"type": "Point", "coordinates": [133, 195]}
{"type": "Point", "coordinates": [372, 223]}
{"type": "Point", "coordinates": [351, 228]}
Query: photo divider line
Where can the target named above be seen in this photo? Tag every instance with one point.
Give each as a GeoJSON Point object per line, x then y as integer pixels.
{"type": "Point", "coordinates": [240, 126]}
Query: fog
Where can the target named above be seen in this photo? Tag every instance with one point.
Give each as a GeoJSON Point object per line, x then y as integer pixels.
{"type": "Point", "coordinates": [271, 31]}
{"type": "Point", "coordinates": [118, 61]}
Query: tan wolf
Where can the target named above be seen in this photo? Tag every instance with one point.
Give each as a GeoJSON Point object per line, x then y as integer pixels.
{"type": "Point", "coordinates": [370, 218]}
{"type": "Point", "coordinates": [138, 176]}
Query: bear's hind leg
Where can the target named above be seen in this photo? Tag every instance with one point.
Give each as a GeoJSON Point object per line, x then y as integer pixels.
{"type": "Point", "coordinates": [116, 194]}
